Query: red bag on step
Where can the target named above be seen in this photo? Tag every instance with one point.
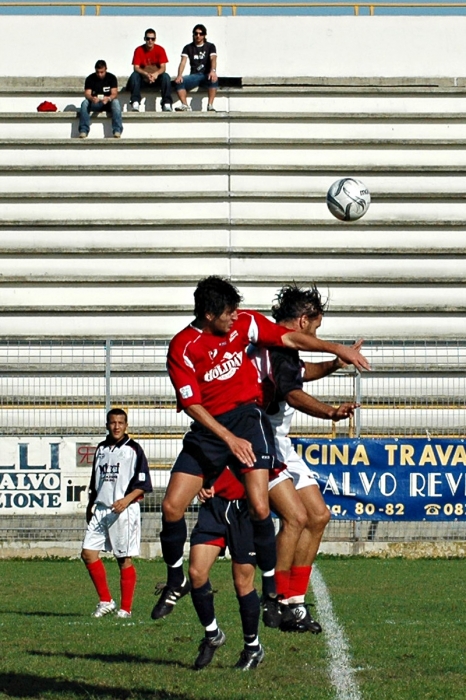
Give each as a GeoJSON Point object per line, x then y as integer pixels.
{"type": "Point", "coordinates": [47, 107]}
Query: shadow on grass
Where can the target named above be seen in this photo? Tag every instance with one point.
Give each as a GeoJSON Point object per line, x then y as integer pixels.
{"type": "Point", "coordinates": [15, 685]}
{"type": "Point", "coordinates": [113, 658]}
{"type": "Point", "coordinates": [40, 613]}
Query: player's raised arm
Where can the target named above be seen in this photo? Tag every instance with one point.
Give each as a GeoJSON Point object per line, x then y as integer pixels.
{"type": "Point", "coordinates": [305, 403]}
{"type": "Point", "coordinates": [350, 355]}
{"type": "Point", "coordinates": [319, 370]}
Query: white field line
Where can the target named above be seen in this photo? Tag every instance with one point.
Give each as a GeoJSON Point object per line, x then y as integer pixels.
{"type": "Point", "coordinates": [341, 671]}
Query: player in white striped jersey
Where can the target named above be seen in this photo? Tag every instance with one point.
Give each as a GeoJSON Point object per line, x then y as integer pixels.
{"type": "Point", "coordinates": [120, 478]}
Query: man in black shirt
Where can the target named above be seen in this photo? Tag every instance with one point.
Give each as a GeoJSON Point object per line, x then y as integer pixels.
{"type": "Point", "coordinates": [202, 56]}
{"type": "Point", "coordinates": [101, 95]}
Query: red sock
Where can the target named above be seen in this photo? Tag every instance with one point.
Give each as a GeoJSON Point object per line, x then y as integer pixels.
{"type": "Point", "coordinates": [127, 586]}
{"type": "Point", "coordinates": [99, 579]}
{"type": "Point", "coordinates": [299, 580]}
{"type": "Point", "coordinates": [282, 582]}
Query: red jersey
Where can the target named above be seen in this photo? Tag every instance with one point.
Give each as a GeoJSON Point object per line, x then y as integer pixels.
{"type": "Point", "coordinates": [155, 57]}
{"type": "Point", "coordinates": [228, 486]}
{"type": "Point", "coordinates": [214, 370]}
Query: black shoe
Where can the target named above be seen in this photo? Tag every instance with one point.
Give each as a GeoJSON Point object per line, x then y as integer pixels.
{"type": "Point", "coordinates": [274, 613]}
{"type": "Point", "coordinates": [250, 659]}
{"type": "Point", "coordinates": [302, 620]}
{"type": "Point", "coordinates": [207, 649]}
{"type": "Point", "coordinates": [168, 599]}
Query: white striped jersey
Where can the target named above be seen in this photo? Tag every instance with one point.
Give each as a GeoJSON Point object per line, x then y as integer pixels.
{"type": "Point", "coordinates": [118, 469]}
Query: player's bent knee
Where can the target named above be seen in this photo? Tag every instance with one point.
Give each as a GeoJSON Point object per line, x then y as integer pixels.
{"type": "Point", "coordinates": [89, 556]}
{"type": "Point", "coordinates": [172, 511]}
{"type": "Point", "coordinates": [124, 562]}
{"type": "Point", "coordinates": [294, 520]}
{"type": "Point", "coordinates": [242, 589]}
{"type": "Point", "coordinates": [259, 511]}
{"type": "Point", "coordinates": [197, 577]}
{"type": "Point", "coordinates": [318, 521]}
{"type": "Point", "coordinates": [258, 507]}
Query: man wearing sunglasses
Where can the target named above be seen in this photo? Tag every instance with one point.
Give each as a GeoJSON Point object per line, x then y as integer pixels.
{"type": "Point", "coordinates": [149, 63]}
{"type": "Point", "coordinates": [202, 56]}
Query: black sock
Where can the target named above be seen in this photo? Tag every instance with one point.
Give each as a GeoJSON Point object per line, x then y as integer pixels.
{"type": "Point", "coordinates": [172, 539]}
{"type": "Point", "coordinates": [249, 609]}
{"type": "Point", "coordinates": [203, 601]}
{"type": "Point", "coordinates": [264, 542]}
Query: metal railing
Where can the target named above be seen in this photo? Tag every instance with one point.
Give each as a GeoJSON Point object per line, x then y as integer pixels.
{"type": "Point", "coordinates": [50, 388]}
{"type": "Point", "coordinates": [233, 8]}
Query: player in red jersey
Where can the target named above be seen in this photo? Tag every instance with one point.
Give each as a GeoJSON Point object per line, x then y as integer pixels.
{"type": "Point", "coordinates": [217, 385]}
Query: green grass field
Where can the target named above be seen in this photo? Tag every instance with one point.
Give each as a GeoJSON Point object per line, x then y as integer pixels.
{"type": "Point", "coordinates": [404, 622]}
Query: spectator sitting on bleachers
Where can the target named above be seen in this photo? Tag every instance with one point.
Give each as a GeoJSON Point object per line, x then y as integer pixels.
{"type": "Point", "coordinates": [149, 63]}
{"type": "Point", "coordinates": [202, 56]}
{"type": "Point", "coordinates": [101, 95]}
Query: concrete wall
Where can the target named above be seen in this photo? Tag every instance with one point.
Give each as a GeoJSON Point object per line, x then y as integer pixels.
{"type": "Point", "coordinates": [247, 46]}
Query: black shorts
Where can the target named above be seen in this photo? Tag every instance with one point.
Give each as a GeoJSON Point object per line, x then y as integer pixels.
{"type": "Point", "coordinates": [223, 523]}
{"type": "Point", "coordinates": [205, 455]}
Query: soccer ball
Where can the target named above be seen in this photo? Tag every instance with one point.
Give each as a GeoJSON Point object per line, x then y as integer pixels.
{"type": "Point", "coordinates": [348, 199]}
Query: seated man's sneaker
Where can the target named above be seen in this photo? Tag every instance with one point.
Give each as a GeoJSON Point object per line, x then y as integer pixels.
{"type": "Point", "coordinates": [250, 659]}
{"type": "Point", "coordinates": [211, 108]}
{"type": "Point", "coordinates": [104, 608]}
{"type": "Point", "coordinates": [116, 135]}
{"type": "Point", "coordinates": [167, 107]}
{"type": "Point", "coordinates": [135, 107]}
{"type": "Point", "coordinates": [168, 599]}
{"type": "Point", "coordinates": [83, 134]}
{"type": "Point", "coordinates": [207, 649]}
{"type": "Point", "coordinates": [183, 108]}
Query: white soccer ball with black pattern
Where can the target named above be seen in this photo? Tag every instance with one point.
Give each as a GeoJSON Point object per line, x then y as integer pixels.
{"type": "Point", "coordinates": [348, 199]}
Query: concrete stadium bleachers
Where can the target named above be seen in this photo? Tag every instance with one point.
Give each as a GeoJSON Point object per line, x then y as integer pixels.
{"type": "Point", "coordinates": [239, 193]}
{"type": "Point", "coordinates": [103, 238]}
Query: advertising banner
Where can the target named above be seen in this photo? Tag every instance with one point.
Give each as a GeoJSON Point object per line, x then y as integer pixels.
{"type": "Point", "coordinates": [45, 475]}
{"type": "Point", "coordinates": [389, 479]}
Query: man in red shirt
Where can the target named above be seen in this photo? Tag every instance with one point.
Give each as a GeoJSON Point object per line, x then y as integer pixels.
{"type": "Point", "coordinates": [149, 63]}
{"type": "Point", "coordinates": [217, 385]}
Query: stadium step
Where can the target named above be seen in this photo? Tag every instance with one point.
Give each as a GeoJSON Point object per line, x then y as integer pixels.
{"type": "Point", "coordinates": [360, 124]}
{"type": "Point", "coordinates": [128, 226]}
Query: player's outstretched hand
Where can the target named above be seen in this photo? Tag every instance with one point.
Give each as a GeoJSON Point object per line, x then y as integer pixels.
{"type": "Point", "coordinates": [242, 449]}
{"type": "Point", "coordinates": [344, 411]}
{"type": "Point", "coordinates": [353, 356]}
{"type": "Point", "coordinates": [341, 364]}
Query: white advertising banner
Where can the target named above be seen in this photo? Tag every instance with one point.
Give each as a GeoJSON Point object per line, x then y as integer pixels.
{"type": "Point", "coordinates": [45, 475]}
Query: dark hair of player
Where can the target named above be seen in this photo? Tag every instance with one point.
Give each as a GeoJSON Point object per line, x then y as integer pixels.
{"type": "Point", "coordinates": [214, 295]}
{"type": "Point", "coordinates": [117, 412]}
{"type": "Point", "coordinates": [292, 302]}
{"type": "Point", "coordinates": [100, 64]}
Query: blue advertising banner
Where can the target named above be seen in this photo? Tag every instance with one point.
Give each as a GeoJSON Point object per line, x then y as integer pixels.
{"type": "Point", "coordinates": [390, 478]}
